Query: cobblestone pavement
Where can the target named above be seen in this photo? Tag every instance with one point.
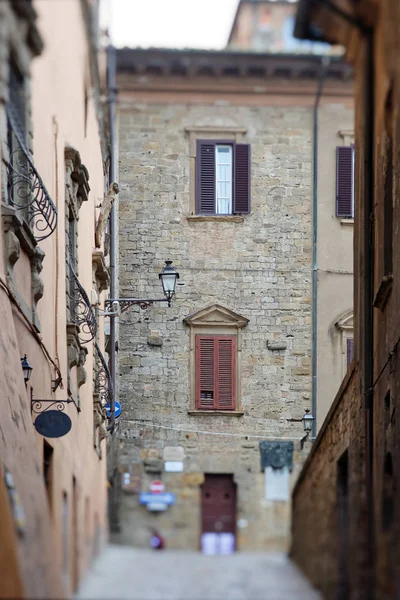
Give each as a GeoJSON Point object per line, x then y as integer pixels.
{"type": "Point", "coordinates": [123, 573]}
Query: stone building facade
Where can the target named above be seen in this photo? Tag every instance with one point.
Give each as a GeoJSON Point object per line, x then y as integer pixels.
{"type": "Point", "coordinates": [245, 278]}
{"type": "Point", "coordinates": [267, 26]}
{"type": "Point", "coordinates": [352, 473]}
{"type": "Point", "coordinates": [52, 280]}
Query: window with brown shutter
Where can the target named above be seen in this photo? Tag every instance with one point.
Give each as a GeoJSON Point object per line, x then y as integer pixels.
{"type": "Point", "coordinates": [215, 372]}
{"type": "Point", "coordinates": [350, 350]}
{"type": "Point", "coordinates": [344, 182]}
{"type": "Point", "coordinates": [222, 177]}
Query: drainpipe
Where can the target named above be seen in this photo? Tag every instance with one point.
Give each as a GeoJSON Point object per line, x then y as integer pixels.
{"type": "Point", "coordinates": [314, 315]}
{"type": "Point", "coordinates": [111, 84]}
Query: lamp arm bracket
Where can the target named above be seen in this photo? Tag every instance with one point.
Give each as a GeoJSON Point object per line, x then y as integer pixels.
{"type": "Point", "coordinates": [115, 306]}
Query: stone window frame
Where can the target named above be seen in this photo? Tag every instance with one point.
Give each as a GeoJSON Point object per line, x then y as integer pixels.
{"type": "Point", "coordinates": [20, 42]}
{"type": "Point", "coordinates": [215, 320]}
{"type": "Point", "coordinates": [209, 132]}
{"type": "Point", "coordinates": [76, 192]}
{"type": "Point", "coordinates": [345, 326]}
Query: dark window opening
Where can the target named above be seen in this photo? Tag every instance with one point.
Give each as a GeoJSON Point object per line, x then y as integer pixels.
{"type": "Point", "coordinates": [343, 522]}
{"type": "Point", "coordinates": [388, 495]}
{"type": "Point", "coordinates": [222, 178]}
{"type": "Point", "coordinates": [48, 453]}
{"type": "Point", "coordinates": [388, 192]}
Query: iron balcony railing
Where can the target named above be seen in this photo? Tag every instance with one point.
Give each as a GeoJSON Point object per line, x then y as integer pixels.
{"type": "Point", "coordinates": [26, 190]}
{"type": "Point", "coordinates": [80, 310]}
{"type": "Point", "coordinates": [103, 382]}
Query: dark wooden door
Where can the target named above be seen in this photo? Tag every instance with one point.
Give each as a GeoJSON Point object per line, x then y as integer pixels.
{"type": "Point", "coordinates": [218, 504]}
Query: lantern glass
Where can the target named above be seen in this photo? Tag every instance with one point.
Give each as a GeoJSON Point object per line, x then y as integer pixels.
{"type": "Point", "coordinates": [168, 278]}
{"type": "Point", "coordinates": [308, 421]}
{"type": "Point", "coordinates": [26, 368]}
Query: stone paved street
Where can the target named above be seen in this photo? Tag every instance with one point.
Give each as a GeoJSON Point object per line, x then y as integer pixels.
{"type": "Point", "coordinates": [125, 573]}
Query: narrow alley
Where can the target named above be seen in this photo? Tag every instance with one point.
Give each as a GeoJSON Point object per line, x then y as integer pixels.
{"type": "Point", "coordinates": [126, 573]}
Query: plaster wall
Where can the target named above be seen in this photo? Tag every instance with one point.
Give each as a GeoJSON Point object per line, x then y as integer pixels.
{"type": "Point", "coordinates": [59, 541]}
{"type": "Point", "coordinates": [334, 256]}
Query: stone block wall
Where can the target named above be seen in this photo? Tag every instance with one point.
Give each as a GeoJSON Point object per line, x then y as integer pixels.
{"type": "Point", "coordinates": [258, 266]}
{"type": "Point", "coordinates": [329, 543]}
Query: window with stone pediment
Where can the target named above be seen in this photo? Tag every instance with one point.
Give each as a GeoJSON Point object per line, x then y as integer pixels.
{"type": "Point", "coordinates": [215, 360]}
{"type": "Point", "coordinates": [345, 326]}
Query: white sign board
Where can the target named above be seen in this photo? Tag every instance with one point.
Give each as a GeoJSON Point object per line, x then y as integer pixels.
{"type": "Point", "coordinates": [173, 466]}
{"type": "Point", "coordinates": [175, 453]}
{"type": "Point", "coordinates": [156, 506]}
{"type": "Point", "coordinates": [277, 484]}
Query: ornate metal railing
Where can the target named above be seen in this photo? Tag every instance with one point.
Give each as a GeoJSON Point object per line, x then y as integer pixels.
{"type": "Point", "coordinates": [80, 310]}
{"type": "Point", "coordinates": [26, 190]}
{"type": "Point", "coordinates": [103, 382]}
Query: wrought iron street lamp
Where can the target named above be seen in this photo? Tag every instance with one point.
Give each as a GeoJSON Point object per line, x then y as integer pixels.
{"type": "Point", "coordinates": [26, 368]}
{"type": "Point", "coordinates": [168, 277]}
{"type": "Point", "coordinates": [307, 421]}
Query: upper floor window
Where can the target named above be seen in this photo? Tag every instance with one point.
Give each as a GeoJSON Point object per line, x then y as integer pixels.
{"type": "Point", "coordinates": [222, 177]}
{"type": "Point", "coordinates": [345, 182]}
{"type": "Point", "coordinates": [17, 96]}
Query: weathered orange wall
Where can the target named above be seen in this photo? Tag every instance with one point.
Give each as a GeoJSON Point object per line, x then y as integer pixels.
{"type": "Point", "coordinates": [58, 80]}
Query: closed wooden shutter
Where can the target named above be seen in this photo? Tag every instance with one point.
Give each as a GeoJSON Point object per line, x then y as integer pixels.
{"type": "Point", "coordinates": [215, 372]}
{"type": "Point", "coordinates": [241, 204]}
{"type": "Point", "coordinates": [225, 375]}
{"type": "Point", "coordinates": [350, 350]}
{"type": "Point", "coordinates": [344, 181]}
{"type": "Point", "coordinates": [205, 177]}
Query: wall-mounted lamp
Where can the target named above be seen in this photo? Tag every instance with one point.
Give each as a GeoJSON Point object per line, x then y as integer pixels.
{"type": "Point", "coordinates": [307, 421]}
{"type": "Point", "coordinates": [168, 277]}
{"type": "Point", "coordinates": [26, 368]}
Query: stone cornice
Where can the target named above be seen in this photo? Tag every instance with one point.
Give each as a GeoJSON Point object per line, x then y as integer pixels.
{"type": "Point", "coordinates": [189, 64]}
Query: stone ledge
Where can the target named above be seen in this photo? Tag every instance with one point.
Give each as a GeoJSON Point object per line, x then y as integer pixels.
{"type": "Point", "coordinates": [225, 413]}
{"type": "Point", "coordinates": [215, 218]}
{"type": "Point", "coordinates": [347, 221]}
{"type": "Point", "coordinates": [384, 291]}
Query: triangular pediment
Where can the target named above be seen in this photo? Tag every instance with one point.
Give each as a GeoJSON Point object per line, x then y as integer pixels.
{"type": "Point", "coordinates": [216, 315]}
{"type": "Point", "coordinates": [346, 321]}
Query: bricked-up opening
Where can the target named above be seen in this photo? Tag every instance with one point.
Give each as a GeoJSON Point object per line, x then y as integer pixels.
{"type": "Point", "coordinates": [215, 372]}
{"type": "Point", "coordinates": [222, 177]}
{"type": "Point", "coordinates": [343, 522]}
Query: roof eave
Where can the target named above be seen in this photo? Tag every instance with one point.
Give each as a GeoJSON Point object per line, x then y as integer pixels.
{"type": "Point", "coordinates": [304, 29]}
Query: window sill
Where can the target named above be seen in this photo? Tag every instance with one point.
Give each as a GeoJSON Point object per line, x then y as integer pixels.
{"type": "Point", "coordinates": [347, 221]}
{"type": "Point", "coordinates": [216, 218]}
{"type": "Point", "coordinates": [225, 413]}
{"type": "Point", "coordinates": [384, 291]}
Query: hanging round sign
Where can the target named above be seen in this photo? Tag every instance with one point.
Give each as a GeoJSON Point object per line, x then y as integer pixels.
{"type": "Point", "coordinates": [117, 409]}
{"type": "Point", "coordinates": [53, 424]}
